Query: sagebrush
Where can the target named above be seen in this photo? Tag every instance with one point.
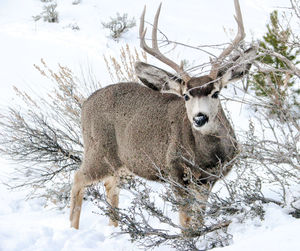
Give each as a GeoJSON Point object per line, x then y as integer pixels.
{"type": "Point", "coordinates": [119, 25]}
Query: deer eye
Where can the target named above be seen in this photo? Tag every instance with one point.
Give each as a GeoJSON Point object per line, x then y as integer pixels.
{"type": "Point", "coordinates": [215, 95]}
{"type": "Point", "coordinates": [186, 97]}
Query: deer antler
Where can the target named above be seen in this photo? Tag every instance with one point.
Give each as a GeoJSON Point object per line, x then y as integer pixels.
{"type": "Point", "coordinates": [238, 38]}
{"type": "Point", "coordinates": [154, 51]}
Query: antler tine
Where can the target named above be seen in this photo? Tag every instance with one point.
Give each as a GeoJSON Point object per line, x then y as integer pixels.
{"type": "Point", "coordinates": [154, 29]}
{"type": "Point", "coordinates": [154, 51]}
{"type": "Point", "coordinates": [142, 31]}
{"type": "Point", "coordinates": [239, 37]}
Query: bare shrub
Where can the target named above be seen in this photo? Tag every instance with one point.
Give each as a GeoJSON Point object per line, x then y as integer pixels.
{"type": "Point", "coordinates": [75, 2]}
{"type": "Point", "coordinates": [122, 69]}
{"type": "Point", "coordinates": [119, 25]}
{"type": "Point", "coordinates": [43, 135]}
{"type": "Point", "coordinates": [73, 26]}
{"type": "Point", "coordinates": [49, 13]}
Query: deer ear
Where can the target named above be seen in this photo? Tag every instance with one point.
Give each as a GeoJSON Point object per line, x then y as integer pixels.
{"type": "Point", "coordinates": [158, 79]}
{"type": "Point", "coordinates": [238, 68]}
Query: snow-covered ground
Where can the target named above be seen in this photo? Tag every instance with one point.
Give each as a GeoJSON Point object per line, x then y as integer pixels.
{"type": "Point", "coordinates": [27, 224]}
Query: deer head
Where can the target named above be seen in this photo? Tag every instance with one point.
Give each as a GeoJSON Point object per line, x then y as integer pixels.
{"type": "Point", "coordinates": [201, 94]}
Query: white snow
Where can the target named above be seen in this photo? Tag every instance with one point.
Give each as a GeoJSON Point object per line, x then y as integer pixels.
{"type": "Point", "coordinates": [27, 224]}
{"type": "Point", "coordinates": [278, 231]}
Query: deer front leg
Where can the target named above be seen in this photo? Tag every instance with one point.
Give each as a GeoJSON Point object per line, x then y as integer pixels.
{"type": "Point", "coordinates": [184, 218]}
{"type": "Point", "coordinates": [201, 194]}
{"type": "Point", "coordinates": [185, 209]}
{"type": "Point", "coordinates": [193, 200]}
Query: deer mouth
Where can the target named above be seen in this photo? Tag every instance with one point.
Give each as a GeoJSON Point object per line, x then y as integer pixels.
{"type": "Point", "coordinates": [200, 120]}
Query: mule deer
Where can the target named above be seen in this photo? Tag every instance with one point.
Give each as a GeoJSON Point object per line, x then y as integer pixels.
{"type": "Point", "coordinates": [131, 126]}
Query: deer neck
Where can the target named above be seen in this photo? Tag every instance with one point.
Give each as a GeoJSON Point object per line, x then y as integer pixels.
{"type": "Point", "coordinates": [219, 144]}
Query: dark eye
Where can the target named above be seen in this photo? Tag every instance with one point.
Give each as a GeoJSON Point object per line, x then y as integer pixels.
{"type": "Point", "coordinates": [215, 95]}
{"type": "Point", "coordinates": [186, 97]}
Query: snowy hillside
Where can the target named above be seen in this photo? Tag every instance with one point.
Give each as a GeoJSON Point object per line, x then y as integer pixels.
{"type": "Point", "coordinates": [28, 224]}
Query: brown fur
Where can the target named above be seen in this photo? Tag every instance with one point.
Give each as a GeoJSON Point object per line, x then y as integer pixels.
{"type": "Point", "coordinates": [199, 81]}
{"type": "Point", "coordinates": [129, 125]}
{"type": "Point", "coordinates": [202, 90]}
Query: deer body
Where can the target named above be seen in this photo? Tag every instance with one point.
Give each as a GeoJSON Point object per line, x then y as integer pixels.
{"type": "Point", "coordinates": [169, 129]}
{"type": "Point", "coordinates": [149, 136]}
{"type": "Point", "coordinates": [138, 133]}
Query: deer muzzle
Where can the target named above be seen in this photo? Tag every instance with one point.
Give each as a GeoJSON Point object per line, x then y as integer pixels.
{"type": "Point", "coordinates": [200, 120]}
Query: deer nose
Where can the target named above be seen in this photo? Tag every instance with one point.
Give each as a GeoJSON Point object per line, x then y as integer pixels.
{"type": "Point", "coordinates": [200, 119]}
